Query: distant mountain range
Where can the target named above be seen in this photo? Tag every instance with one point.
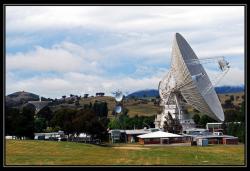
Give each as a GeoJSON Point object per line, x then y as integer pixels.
{"type": "Point", "coordinates": [144, 93]}
{"type": "Point", "coordinates": [154, 92]}
{"type": "Point", "coordinates": [19, 98]}
{"type": "Point", "coordinates": [229, 89]}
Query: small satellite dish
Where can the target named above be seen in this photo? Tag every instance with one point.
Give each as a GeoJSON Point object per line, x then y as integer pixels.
{"type": "Point", "coordinates": [118, 96]}
{"type": "Point", "coordinates": [118, 109]}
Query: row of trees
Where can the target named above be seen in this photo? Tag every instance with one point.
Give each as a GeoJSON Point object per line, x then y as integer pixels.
{"type": "Point", "coordinates": [201, 121]}
{"type": "Point", "coordinates": [126, 122]}
{"type": "Point", "coordinates": [92, 119]}
{"type": "Point", "coordinates": [234, 123]}
{"type": "Point", "coordinates": [20, 122]}
{"type": "Point", "coordinates": [73, 121]}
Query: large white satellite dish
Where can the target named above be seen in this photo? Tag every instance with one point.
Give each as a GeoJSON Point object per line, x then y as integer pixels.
{"type": "Point", "coordinates": [188, 78]}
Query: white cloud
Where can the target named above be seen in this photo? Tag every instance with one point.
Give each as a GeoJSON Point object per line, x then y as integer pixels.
{"type": "Point", "coordinates": [132, 18]}
{"type": "Point", "coordinates": [120, 37]}
{"type": "Point", "coordinates": [77, 83]}
{"type": "Point", "coordinates": [235, 76]}
{"type": "Point", "coordinates": [64, 57]}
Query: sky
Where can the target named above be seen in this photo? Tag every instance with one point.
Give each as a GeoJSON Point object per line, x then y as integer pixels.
{"type": "Point", "coordinates": [61, 50]}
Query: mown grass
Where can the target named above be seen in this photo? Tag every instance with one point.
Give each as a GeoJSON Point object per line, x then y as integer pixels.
{"type": "Point", "coordinates": [31, 152]}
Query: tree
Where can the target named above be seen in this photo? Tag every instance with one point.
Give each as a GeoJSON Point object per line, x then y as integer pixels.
{"type": "Point", "coordinates": [148, 121]}
{"type": "Point", "coordinates": [204, 120]}
{"type": "Point", "coordinates": [40, 124]}
{"type": "Point", "coordinates": [236, 129]}
{"type": "Point", "coordinates": [241, 113]}
{"type": "Point", "coordinates": [196, 118]}
{"type": "Point", "coordinates": [20, 122]}
{"type": "Point", "coordinates": [171, 125]}
{"type": "Point", "coordinates": [12, 118]}
{"type": "Point", "coordinates": [168, 123]}
{"type": "Point", "coordinates": [230, 115]}
{"type": "Point", "coordinates": [63, 119]}
{"type": "Point", "coordinates": [126, 122]}
{"type": "Point", "coordinates": [234, 123]}
{"type": "Point", "coordinates": [25, 125]}
{"type": "Point", "coordinates": [114, 123]}
{"type": "Point", "coordinates": [86, 121]}
{"type": "Point", "coordinates": [101, 109]}
{"type": "Point", "coordinates": [137, 122]}
{"type": "Point", "coordinates": [45, 113]}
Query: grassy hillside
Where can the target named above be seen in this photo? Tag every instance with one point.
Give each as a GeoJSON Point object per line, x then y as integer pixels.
{"type": "Point", "coordinates": [109, 100]}
{"type": "Point", "coordinates": [238, 98]}
{"type": "Point", "coordinates": [31, 152]}
{"type": "Point", "coordinates": [140, 108]}
{"type": "Point", "coordinates": [135, 107]}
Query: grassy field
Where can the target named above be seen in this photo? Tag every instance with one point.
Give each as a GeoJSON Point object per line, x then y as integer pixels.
{"type": "Point", "coordinates": [31, 152]}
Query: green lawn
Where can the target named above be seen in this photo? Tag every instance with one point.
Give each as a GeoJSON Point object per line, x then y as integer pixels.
{"type": "Point", "coordinates": [31, 152]}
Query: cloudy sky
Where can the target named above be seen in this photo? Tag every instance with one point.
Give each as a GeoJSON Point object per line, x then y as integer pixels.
{"type": "Point", "coordinates": [61, 50]}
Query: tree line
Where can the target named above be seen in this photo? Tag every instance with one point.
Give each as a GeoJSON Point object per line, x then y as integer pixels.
{"type": "Point", "coordinates": [136, 122]}
{"type": "Point", "coordinates": [234, 123]}
{"type": "Point", "coordinates": [92, 119]}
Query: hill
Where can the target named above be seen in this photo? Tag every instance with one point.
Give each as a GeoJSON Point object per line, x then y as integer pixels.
{"type": "Point", "coordinates": [155, 92]}
{"type": "Point", "coordinates": [144, 93]}
{"type": "Point", "coordinates": [146, 105]}
{"type": "Point", "coordinates": [19, 98]}
{"type": "Point", "coordinates": [229, 89]}
{"type": "Point", "coordinates": [134, 106]}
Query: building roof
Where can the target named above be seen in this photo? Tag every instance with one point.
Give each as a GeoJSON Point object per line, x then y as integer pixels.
{"type": "Point", "coordinates": [159, 134]}
{"type": "Point", "coordinates": [214, 123]}
{"type": "Point", "coordinates": [116, 130]}
{"type": "Point", "coordinates": [215, 136]}
{"type": "Point", "coordinates": [196, 129]}
{"type": "Point", "coordinates": [137, 131]}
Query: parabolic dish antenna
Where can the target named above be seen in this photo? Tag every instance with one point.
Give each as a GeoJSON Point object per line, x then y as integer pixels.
{"type": "Point", "coordinates": [118, 109]}
{"type": "Point", "coordinates": [191, 81]}
{"type": "Point", "coordinates": [118, 96]}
